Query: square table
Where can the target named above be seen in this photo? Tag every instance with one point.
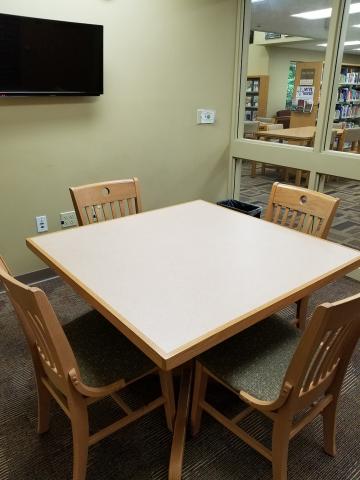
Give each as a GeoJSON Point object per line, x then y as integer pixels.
{"type": "Point", "coordinates": [179, 280]}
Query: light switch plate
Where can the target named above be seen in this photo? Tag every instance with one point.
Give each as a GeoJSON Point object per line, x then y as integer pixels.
{"type": "Point", "coordinates": [206, 116]}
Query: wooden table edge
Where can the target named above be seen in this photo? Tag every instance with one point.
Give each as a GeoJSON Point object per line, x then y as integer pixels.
{"type": "Point", "coordinates": [180, 356]}
{"type": "Point", "coordinates": [170, 360]}
{"type": "Point", "coordinates": [119, 322]}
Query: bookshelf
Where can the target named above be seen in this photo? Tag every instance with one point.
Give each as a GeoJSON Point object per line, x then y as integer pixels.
{"type": "Point", "coordinates": [256, 96]}
{"type": "Point", "coordinates": [348, 99]}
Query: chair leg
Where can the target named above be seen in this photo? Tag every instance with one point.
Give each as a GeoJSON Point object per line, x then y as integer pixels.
{"type": "Point", "coordinates": [253, 169]}
{"type": "Point", "coordinates": [200, 385]}
{"type": "Point", "coordinates": [80, 432]}
{"type": "Point", "coordinates": [301, 311]}
{"type": "Point", "coordinates": [167, 389]}
{"type": "Point", "coordinates": [280, 447]}
{"type": "Point", "coordinates": [44, 400]}
{"type": "Point", "coordinates": [329, 425]}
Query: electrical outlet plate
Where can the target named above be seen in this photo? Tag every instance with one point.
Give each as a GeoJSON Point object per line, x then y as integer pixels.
{"type": "Point", "coordinates": [41, 223]}
{"type": "Point", "coordinates": [68, 219]}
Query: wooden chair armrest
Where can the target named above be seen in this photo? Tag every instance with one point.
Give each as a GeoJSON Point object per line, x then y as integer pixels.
{"type": "Point", "coordinates": [94, 391]}
{"type": "Point", "coordinates": [264, 405]}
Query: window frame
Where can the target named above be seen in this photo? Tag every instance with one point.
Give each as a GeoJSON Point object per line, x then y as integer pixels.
{"type": "Point", "coordinates": [318, 160]}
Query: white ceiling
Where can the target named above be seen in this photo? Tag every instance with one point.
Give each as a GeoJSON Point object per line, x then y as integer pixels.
{"type": "Point", "coordinates": [275, 16]}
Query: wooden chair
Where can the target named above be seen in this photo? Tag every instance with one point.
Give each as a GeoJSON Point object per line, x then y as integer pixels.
{"type": "Point", "coordinates": [80, 364]}
{"type": "Point", "coordinates": [303, 210]}
{"type": "Point", "coordinates": [351, 137]}
{"type": "Point", "coordinates": [250, 128]}
{"type": "Point", "coordinates": [280, 373]}
{"type": "Point", "coordinates": [106, 200]}
{"type": "Point", "coordinates": [283, 117]}
{"type": "Point", "coordinates": [265, 119]}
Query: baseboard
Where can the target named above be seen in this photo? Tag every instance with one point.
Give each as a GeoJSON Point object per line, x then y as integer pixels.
{"type": "Point", "coordinates": [32, 278]}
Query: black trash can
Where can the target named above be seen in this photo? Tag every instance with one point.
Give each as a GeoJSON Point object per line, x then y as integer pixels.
{"type": "Point", "coordinates": [247, 208]}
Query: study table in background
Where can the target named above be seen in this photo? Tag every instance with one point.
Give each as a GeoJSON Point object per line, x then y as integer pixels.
{"type": "Point", "coordinates": [301, 135]}
{"type": "Point", "coordinates": [179, 280]}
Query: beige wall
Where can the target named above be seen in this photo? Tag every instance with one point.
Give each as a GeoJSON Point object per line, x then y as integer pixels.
{"type": "Point", "coordinates": [279, 63]}
{"type": "Point", "coordinates": [163, 60]}
{"type": "Point", "coordinates": [258, 61]}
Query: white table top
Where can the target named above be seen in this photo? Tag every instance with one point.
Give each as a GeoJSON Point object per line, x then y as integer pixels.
{"type": "Point", "coordinates": [181, 279]}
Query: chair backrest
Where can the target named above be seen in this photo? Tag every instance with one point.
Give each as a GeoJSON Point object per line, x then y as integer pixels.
{"type": "Point", "coordinates": [283, 117]}
{"type": "Point", "coordinates": [321, 358]}
{"type": "Point", "coordinates": [333, 139]}
{"type": "Point", "coordinates": [350, 136]}
{"type": "Point", "coordinates": [283, 113]}
{"type": "Point", "coordinates": [106, 200]}
{"type": "Point", "coordinates": [47, 341]}
{"type": "Point", "coordinates": [275, 126]}
{"type": "Point", "coordinates": [301, 209]}
{"type": "Point", "coordinates": [265, 119]}
{"type": "Point", "coordinates": [339, 125]}
{"type": "Point", "coordinates": [251, 127]}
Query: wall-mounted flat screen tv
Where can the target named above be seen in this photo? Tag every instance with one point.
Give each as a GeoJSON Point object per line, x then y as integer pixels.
{"type": "Point", "coordinates": [49, 57]}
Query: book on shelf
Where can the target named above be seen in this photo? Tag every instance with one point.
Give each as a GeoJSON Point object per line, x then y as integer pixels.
{"type": "Point", "coordinates": [346, 94]}
{"type": "Point", "coordinates": [350, 77]}
{"type": "Point", "coordinates": [347, 111]}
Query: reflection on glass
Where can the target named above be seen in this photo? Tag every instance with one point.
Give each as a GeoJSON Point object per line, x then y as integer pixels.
{"type": "Point", "coordinates": [347, 109]}
{"type": "Point", "coordinates": [346, 225]}
{"type": "Point", "coordinates": [285, 68]}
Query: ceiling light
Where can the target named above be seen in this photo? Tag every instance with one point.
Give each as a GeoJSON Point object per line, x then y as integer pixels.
{"type": "Point", "coordinates": [324, 13]}
{"type": "Point", "coordinates": [357, 26]}
{"type": "Point", "coordinates": [314, 14]}
{"type": "Point", "coordinates": [355, 8]}
{"type": "Point", "coordinates": [356, 48]}
{"type": "Point", "coordinates": [352, 42]}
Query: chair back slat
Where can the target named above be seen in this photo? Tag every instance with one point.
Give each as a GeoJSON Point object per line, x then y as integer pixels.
{"type": "Point", "coordinates": [131, 206]}
{"type": "Point", "coordinates": [326, 345]}
{"type": "Point", "coordinates": [302, 209]}
{"type": "Point", "coordinates": [106, 200]}
{"type": "Point", "coordinates": [113, 209]}
{"type": "Point", "coordinates": [47, 341]}
{"type": "Point", "coordinates": [293, 218]}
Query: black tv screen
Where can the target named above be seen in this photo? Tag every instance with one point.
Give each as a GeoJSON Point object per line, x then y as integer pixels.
{"type": "Point", "coordinates": [49, 57]}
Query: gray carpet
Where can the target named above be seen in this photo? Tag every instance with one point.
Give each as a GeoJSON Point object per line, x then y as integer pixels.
{"type": "Point", "coordinates": [141, 450]}
{"type": "Point", "coordinates": [345, 228]}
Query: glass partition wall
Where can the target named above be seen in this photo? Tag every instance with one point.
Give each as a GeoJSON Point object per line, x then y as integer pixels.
{"type": "Point", "coordinates": [298, 71]}
{"type": "Point", "coordinates": [346, 103]}
{"type": "Point", "coordinates": [286, 55]}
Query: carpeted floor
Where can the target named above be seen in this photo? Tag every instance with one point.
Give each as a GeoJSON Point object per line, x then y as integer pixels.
{"type": "Point", "coordinates": [345, 228]}
{"type": "Point", "coordinates": [141, 450]}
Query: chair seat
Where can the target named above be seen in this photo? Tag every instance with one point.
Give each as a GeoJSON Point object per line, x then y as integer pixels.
{"type": "Point", "coordinates": [103, 354]}
{"type": "Point", "coordinates": [255, 360]}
